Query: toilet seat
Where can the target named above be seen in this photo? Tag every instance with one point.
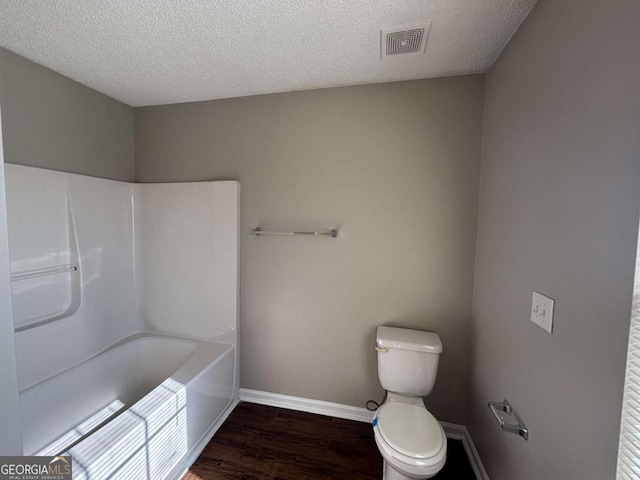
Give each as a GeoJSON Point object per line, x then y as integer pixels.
{"type": "Point", "coordinates": [410, 429]}
{"type": "Point", "coordinates": [410, 438]}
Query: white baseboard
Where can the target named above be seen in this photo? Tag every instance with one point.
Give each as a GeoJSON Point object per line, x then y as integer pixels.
{"type": "Point", "coordinates": [308, 405]}
{"type": "Point", "coordinates": [460, 432]}
{"type": "Point", "coordinates": [359, 414]}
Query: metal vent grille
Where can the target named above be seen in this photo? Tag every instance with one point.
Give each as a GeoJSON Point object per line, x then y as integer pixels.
{"type": "Point", "coordinates": [407, 41]}
{"type": "Point", "coordinates": [404, 40]}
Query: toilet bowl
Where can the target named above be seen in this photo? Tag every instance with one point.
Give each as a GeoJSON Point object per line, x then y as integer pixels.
{"type": "Point", "coordinates": [410, 439]}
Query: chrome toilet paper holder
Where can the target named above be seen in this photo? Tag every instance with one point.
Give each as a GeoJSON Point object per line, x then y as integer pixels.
{"type": "Point", "coordinates": [508, 420]}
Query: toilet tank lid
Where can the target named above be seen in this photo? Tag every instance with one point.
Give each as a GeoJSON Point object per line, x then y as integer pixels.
{"type": "Point", "coordinates": [407, 339]}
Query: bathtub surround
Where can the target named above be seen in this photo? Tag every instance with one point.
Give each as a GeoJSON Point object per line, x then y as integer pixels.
{"type": "Point", "coordinates": [45, 210]}
{"type": "Point", "coordinates": [11, 439]}
{"type": "Point", "coordinates": [187, 258]}
{"type": "Point", "coordinates": [164, 251]}
{"type": "Point", "coordinates": [559, 202]}
{"type": "Point", "coordinates": [52, 122]}
{"type": "Point", "coordinates": [395, 166]}
{"type": "Point", "coordinates": [150, 258]}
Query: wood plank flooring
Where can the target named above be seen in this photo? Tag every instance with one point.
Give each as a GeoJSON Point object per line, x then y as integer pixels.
{"type": "Point", "coordinates": [259, 442]}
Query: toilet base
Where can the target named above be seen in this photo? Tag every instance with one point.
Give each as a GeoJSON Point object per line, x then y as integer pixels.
{"type": "Point", "coordinates": [390, 473]}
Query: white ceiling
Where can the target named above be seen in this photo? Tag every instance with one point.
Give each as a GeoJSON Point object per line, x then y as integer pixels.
{"type": "Point", "coordinates": [150, 52]}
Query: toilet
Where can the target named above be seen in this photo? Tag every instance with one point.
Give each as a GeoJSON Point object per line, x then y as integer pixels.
{"type": "Point", "coordinates": [410, 439]}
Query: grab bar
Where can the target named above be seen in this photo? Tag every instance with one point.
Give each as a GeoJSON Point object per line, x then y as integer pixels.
{"type": "Point", "coordinates": [42, 272]}
{"type": "Point", "coordinates": [327, 233]}
{"type": "Point", "coordinates": [507, 419]}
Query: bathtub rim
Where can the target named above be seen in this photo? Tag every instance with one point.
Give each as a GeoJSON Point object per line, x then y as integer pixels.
{"type": "Point", "coordinates": [184, 464]}
{"type": "Point", "coordinates": [204, 356]}
{"type": "Point", "coordinates": [131, 338]}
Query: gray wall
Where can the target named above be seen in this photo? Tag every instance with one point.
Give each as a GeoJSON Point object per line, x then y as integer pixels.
{"type": "Point", "coordinates": [396, 167]}
{"type": "Point", "coordinates": [53, 122]}
{"type": "Point", "coordinates": [559, 205]}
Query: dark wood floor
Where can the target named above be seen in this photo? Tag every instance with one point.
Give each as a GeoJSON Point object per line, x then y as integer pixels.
{"type": "Point", "coordinates": [258, 442]}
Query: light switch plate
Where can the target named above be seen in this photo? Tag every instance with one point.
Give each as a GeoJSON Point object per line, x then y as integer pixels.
{"type": "Point", "coordinates": [542, 311]}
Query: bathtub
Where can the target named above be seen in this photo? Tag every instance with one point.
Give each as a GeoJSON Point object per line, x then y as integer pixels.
{"type": "Point", "coordinates": [143, 408]}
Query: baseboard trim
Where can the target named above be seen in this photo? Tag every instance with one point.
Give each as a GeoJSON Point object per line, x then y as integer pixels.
{"type": "Point", "coordinates": [460, 432]}
{"type": "Point", "coordinates": [359, 414]}
{"type": "Point", "coordinates": [308, 405]}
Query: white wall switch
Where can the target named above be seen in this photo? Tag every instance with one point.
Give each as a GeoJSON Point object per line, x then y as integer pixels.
{"type": "Point", "coordinates": [542, 311]}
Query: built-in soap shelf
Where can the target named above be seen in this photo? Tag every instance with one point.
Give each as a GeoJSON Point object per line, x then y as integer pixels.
{"type": "Point", "coordinates": [509, 422]}
{"type": "Point", "coordinates": [42, 272]}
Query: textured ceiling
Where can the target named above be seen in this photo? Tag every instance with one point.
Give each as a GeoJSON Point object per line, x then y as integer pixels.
{"type": "Point", "coordinates": [149, 52]}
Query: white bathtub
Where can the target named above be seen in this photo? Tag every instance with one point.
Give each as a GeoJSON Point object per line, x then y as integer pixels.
{"type": "Point", "coordinates": [141, 409]}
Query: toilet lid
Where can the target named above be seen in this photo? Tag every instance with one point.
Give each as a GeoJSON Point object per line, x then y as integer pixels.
{"type": "Point", "coordinates": [410, 429]}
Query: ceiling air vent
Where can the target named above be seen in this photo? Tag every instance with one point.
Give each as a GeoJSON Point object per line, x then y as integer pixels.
{"type": "Point", "coordinates": [404, 40]}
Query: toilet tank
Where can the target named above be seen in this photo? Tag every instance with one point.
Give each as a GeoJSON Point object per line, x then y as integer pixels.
{"type": "Point", "coordinates": [407, 360]}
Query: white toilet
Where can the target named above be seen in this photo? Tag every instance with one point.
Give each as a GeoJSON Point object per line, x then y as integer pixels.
{"type": "Point", "coordinates": [409, 438]}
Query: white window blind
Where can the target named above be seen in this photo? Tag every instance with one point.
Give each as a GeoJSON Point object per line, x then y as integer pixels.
{"type": "Point", "coordinates": [629, 447]}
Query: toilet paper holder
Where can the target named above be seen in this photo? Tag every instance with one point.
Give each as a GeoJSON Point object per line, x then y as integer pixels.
{"type": "Point", "coordinates": [507, 419]}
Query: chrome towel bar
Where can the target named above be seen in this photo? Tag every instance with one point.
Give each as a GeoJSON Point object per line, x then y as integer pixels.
{"type": "Point", "coordinates": [42, 272]}
{"type": "Point", "coordinates": [327, 233]}
{"type": "Point", "coordinates": [507, 419]}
